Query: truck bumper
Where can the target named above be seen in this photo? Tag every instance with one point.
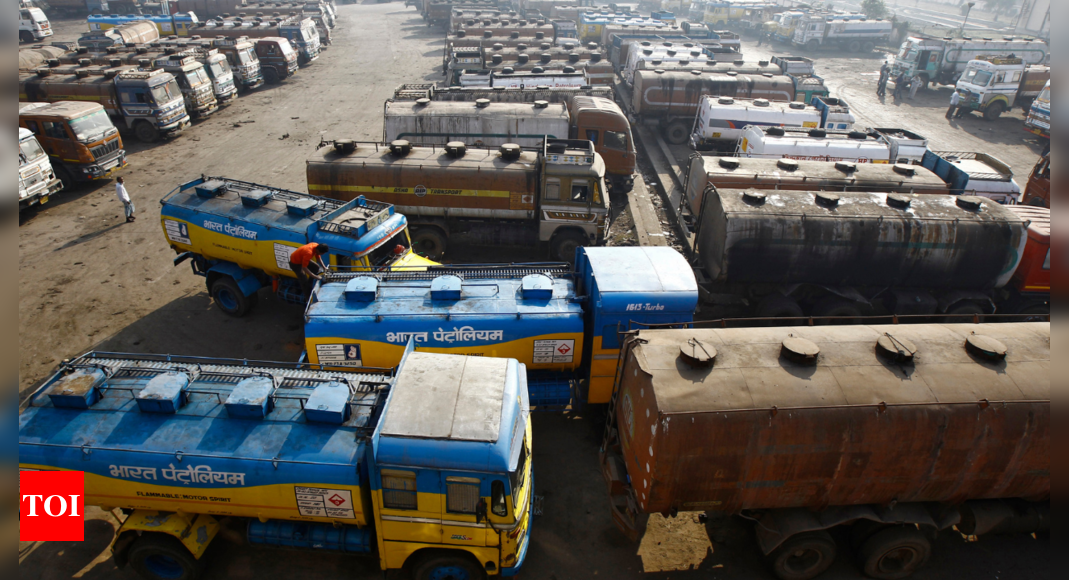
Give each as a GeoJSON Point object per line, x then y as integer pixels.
{"type": "Point", "coordinates": [42, 195]}
{"type": "Point", "coordinates": [250, 84]}
{"type": "Point", "coordinates": [102, 170]}
{"type": "Point", "coordinates": [205, 110]}
{"type": "Point", "coordinates": [176, 128]}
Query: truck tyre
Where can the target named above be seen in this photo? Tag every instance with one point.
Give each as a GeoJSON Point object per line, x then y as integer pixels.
{"type": "Point", "coordinates": [162, 557]}
{"type": "Point", "coordinates": [429, 243]}
{"type": "Point", "coordinates": [994, 110]}
{"type": "Point", "coordinates": [229, 297]}
{"type": "Point", "coordinates": [803, 556]}
{"type": "Point", "coordinates": [957, 312]}
{"type": "Point", "coordinates": [779, 306]}
{"type": "Point", "coordinates": [270, 76]}
{"type": "Point", "coordinates": [439, 566]}
{"type": "Point", "coordinates": [1036, 313]}
{"type": "Point", "coordinates": [25, 36]}
{"type": "Point", "coordinates": [812, 44]}
{"type": "Point", "coordinates": [845, 310]}
{"type": "Point", "coordinates": [868, 46]}
{"type": "Point", "coordinates": [146, 132]}
{"type": "Point", "coordinates": [64, 176]}
{"type": "Point", "coordinates": [677, 132]}
{"type": "Point", "coordinates": [854, 46]}
{"type": "Point", "coordinates": [565, 244]}
{"type": "Point", "coordinates": [894, 553]}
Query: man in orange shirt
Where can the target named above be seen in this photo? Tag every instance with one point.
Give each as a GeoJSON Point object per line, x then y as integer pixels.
{"type": "Point", "coordinates": [303, 259]}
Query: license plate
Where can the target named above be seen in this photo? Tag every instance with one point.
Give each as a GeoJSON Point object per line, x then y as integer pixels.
{"type": "Point", "coordinates": [44, 199]}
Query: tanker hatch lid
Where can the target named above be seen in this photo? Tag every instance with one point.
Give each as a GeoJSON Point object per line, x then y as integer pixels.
{"type": "Point", "coordinates": [211, 188]}
{"type": "Point", "coordinates": [361, 289]}
{"type": "Point", "coordinates": [440, 396]}
{"type": "Point", "coordinates": [256, 198]}
{"type": "Point", "coordinates": [328, 403]}
{"type": "Point", "coordinates": [251, 398]}
{"type": "Point", "coordinates": [536, 287]}
{"type": "Point", "coordinates": [164, 393]}
{"type": "Point", "coordinates": [304, 207]}
{"type": "Point", "coordinates": [446, 287]}
{"type": "Point", "coordinates": [78, 390]}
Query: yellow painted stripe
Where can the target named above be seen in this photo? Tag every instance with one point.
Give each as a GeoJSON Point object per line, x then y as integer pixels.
{"type": "Point", "coordinates": [1037, 288]}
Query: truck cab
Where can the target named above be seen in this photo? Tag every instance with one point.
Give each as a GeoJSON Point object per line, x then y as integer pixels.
{"type": "Point", "coordinates": [278, 59]}
{"type": "Point", "coordinates": [993, 85]}
{"type": "Point", "coordinates": [1029, 288]}
{"type": "Point", "coordinates": [302, 33]}
{"type": "Point", "coordinates": [218, 68]}
{"type": "Point", "coordinates": [241, 54]}
{"type": "Point", "coordinates": [918, 56]}
{"type": "Point", "coordinates": [36, 179]}
{"type": "Point", "coordinates": [33, 25]}
{"type": "Point", "coordinates": [1038, 120]}
{"type": "Point", "coordinates": [194, 82]}
{"type": "Point", "coordinates": [575, 201]}
{"type": "Point", "coordinates": [1037, 191]}
{"type": "Point", "coordinates": [78, 136]}
{"type": "Point", "coordinates": [603, 123]}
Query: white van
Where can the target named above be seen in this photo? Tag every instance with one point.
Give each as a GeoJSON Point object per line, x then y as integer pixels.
{"type": "Point", "coordinates": [721, 120]}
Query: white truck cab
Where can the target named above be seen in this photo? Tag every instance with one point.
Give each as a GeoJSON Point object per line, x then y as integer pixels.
{"type": "Point", "coordinates": [33, 25]}
{"type": "Point", "coordinates": [37, 181]}
{"type": "Point", "coordinates": [993, 85]}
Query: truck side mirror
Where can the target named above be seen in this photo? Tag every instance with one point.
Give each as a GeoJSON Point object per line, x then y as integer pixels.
{"type": "Point", "coordinates": [480, 511]}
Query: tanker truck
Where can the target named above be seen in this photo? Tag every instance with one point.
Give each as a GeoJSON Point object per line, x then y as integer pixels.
{"type": "Point", "coordinates": [561, 322]}
{"type": "Point", "coordinates": [239, 237]}
{"type": "Point", "coordinates": [793, 254]}
{"type": "Point", "coordinates": [483, 122]}
{"type": "Point", "coordinates": [943, 60]}
{"type": "Point", "coordinates": [889, 432]}
{"type": "Point", "coordinates": [301, 32]}
{"type": "Point", "coordinates": [284, 455]}
{"type": "Point", "coordinates": [720, 120]}
{"type": "Point", "coordinates": [148, 102]}
{"type": "Point", "coordinates": [554, 197]}
{"type": "Point", "coordinates": [670, 99]}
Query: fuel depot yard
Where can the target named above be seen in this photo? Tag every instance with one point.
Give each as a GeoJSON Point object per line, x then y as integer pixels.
{"type": "Point", "coordinates": [90, 281]}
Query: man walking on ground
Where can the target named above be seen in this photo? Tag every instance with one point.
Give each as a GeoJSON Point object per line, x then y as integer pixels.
{"type": "Point", "coordinates": [900, 85]}
{"type": "Point", "coordinates": [881, 85]}
{"type": "Point", "coordinates": [955, 98]}
{"type": "Point", "coordinates": [124, 197]}
{"type": "Point", "coordinates": [914, 84]}
{"type": "Point", "coordinates": [303, 259]}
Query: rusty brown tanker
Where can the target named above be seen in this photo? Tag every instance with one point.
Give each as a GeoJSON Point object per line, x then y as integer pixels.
{"type": "Point", "coordinates": [895, 431]}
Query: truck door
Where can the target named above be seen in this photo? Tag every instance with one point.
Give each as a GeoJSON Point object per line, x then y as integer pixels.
{"type": "Point", "coordinates": [461, 495]}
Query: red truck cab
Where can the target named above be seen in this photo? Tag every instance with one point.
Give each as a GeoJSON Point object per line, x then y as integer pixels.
{"type": "Point", "coordinates": [1031, 280]}
{"type": "Point", "coordinates": [1037, 191]}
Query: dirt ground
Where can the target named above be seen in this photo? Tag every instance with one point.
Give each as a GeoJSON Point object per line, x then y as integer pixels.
{"type": "Point", "coordinates": [90, 281]}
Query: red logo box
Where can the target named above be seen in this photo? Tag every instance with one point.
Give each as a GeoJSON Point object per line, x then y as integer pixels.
{"type": "Point", "coordinates": [51, 506]}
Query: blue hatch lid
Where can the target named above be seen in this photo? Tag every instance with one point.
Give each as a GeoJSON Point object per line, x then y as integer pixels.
{"type": "Point", "coordinates": [251, 398]}
{"type": "Point", "coordinates": [536, 287]}
{"type": "Point", "coordinates": [446, 287]}
{"type": "Point", "coordinates": [302, 207]}
{"type": "Point", "coordinates": [164, 393]}
{"type": "Point", "coordinates": [211, 188]}
{"type": "Point", "coordinates": [78, 390]}
{"type": "Point", "coordinates": [361, 289]}
{"type": "Point", "coordinates": [256, 198]}
{"type": "Point", "coordinates": [329, 403]}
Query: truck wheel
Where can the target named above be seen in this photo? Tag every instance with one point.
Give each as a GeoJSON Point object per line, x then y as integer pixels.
{"type": "Point", "coordinates": [994, 110]}
{"type": "Point", "coordinates": [429, 243]}
{"type": "Point", "coordinates": [956, 313]}
{"type": "Point", "coordinates": [854, 46]}
{"type": "Point", "coordinates": [25, 36]}
{"type": "Point", "coordinates": [270, 76]}
{"type": "Point", "coordinates": [868, 46]}
{"type": "Point", "coordinates": [779, 306]}
{"type": "Point", "coordinates": [894, 553]}
{"type": "Point", "coordinates": [565, 244]}
{"type": "Point", "coordinates": [677, 132]}
{"type": "Point", "coordinates": [812, 44]}
{"type": "Point", "coordinates": [157, 556]}
{"type": "Point", "coordinates": [446, 567]}
{"type": "Point", "coordinates": [146, 132]}
{"type": "Point", "coordinates": [65, 177]}
{"type": "Point", "coordinates": [1037, 313]}
{"type": "Point", "coordinates": [229, 297]}
{"type": "Point", "coordinates": [846, 311]}
{"type": "Point", "coordinates": [803, 556]}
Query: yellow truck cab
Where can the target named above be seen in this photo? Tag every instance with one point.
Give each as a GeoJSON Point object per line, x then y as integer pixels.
{"type": "Point", "coordinates": [81, 141]}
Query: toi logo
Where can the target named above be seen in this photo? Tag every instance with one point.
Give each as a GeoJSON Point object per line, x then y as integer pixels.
{"type": "Point", "coordinates": [51, 506]}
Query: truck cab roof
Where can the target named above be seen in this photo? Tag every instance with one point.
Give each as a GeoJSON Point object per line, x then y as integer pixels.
{"type": "Point", "coordinates": [66, 110]}
{"type": "Point", "coordinates": [468, 401]}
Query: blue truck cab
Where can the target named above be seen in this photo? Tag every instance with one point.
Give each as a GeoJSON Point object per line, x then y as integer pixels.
{"type": "Point", "coordinates": [427, 467]}
{"type": "Point", "coordinates": [239, 236]}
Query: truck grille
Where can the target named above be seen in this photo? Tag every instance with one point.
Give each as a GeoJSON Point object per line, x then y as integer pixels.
{"type": "Point", "coordinates": [102, 151]}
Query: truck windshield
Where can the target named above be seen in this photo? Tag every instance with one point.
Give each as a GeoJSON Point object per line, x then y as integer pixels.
{"type": "Point", "coordinates": [91, 127]}
{"type": "Point", "coordinates": [287, 49]}
{"type": "Point", "coordinates": [246, 56]}
{"type": "Point", "coordinates": [978, 77]}
{"type": "Point", "coordinates": [30, 151]}
{"type": "Point", "coordinates": [219, 68]}
{"type": "Point", "coordinates": [166, 92]}
{"type": "Point", "coordinates": [386, 253]}
{"type": "Point", "coordinates": [308, 32]}
{"type": "Point", "coordinates": [1044, 97]}
{"type": "Point", "coordinates": [197, 77]}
